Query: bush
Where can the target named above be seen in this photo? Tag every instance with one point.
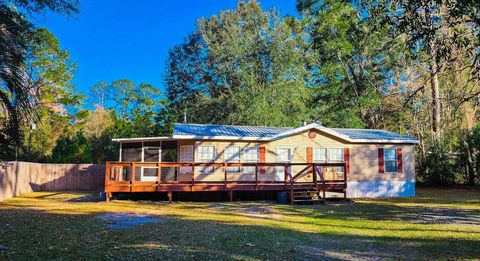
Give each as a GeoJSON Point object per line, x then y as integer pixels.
{"type": "Point", "coordinates": [440, 165]}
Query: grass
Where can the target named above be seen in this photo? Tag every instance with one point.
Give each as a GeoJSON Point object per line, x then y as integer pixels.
{"type": "Point", "coordinates": [437, 224]}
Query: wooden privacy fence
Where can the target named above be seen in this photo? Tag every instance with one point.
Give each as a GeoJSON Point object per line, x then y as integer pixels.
{"type": "Point", "coordinates": [19, 177]}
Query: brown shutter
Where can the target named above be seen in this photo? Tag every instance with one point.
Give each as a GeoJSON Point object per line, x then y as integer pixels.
{"type": "Point", "coordinates": [399, 160]}
{"type": "Point", "coordinates": [346, 159]}
{"type": "Point", "coordinates": [381, 165]}
{"type": "Point", "coordinates": [262, 158]}
{"type": "Point", "coordinates": [309, 155]}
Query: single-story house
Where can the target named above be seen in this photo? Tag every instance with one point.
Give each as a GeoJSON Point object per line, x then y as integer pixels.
{"type": "Point", "coordinates": [372, 163]}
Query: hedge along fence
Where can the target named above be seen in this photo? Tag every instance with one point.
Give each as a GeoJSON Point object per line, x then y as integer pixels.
{"type": "Point", "coordinates": [18, 177]}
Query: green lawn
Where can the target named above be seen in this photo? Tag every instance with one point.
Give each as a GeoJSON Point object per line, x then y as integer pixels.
{"type": "Point", "coordinates": [437, 224]}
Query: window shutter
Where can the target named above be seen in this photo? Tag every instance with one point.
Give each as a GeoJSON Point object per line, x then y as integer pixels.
{"type": "Point", "coordinates": [262, 158]}
{"type": "Point", "coordinates": [381, 165]}
{"type": "Point", "coordinates": [346, 159]}
{"type": "Point", "coordinates": [309, 155]}
{"type": "Point", "coordinates": [399, 160]}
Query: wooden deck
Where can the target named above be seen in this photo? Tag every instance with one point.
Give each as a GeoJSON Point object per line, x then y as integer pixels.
{"type": "Point", "coordinates": [120, 177]}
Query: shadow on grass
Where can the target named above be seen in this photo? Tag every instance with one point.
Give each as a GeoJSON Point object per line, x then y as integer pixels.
{"type": "Point", "coordinates": [34, 234]}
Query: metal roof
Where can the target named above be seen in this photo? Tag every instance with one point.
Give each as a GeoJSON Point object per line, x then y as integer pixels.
{"type": "Point", "coordinates": [372, 134]}
{"type": "Point", "coordinates": [265, 133]}
{"type": "Point", "coordinates": [226, 130]}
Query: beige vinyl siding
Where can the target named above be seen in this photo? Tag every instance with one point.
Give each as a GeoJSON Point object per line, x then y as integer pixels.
{"type": "Point", "coordinates": [363, 158]}
{"type": "Point", "coordinates": [299, 144]}
{"type": "Point", "coordinates": [364, 163]}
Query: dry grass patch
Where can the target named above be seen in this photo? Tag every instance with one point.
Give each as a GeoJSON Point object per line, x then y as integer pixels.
{"type": "Point", "coordinates": [438, 224]}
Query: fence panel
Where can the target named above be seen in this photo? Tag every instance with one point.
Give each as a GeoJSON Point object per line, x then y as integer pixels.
{"type": "Point", "coordinates": [19, 177]}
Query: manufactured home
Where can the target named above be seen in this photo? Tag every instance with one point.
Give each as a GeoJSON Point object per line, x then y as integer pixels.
{"type": "Point", "coordinates": [308, 162]}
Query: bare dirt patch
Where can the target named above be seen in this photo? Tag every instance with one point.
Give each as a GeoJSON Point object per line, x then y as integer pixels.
{"type": "Point", "coordinates": [126, 220]}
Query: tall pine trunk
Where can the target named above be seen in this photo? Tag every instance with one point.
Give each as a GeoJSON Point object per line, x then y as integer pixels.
{"type": "Point", "coordinates": [435, 86]}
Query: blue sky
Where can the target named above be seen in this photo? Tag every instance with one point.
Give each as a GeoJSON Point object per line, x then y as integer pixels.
{"type": "Point", "coordinates": [130, 39]}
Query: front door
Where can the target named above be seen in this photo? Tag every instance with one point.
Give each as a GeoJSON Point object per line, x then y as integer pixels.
{"type": "Point", "coordinates": [186, 155]}
{"type": "Point", "coordinates": [284, 155]}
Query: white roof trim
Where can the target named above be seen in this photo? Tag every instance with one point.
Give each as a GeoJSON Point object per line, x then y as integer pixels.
{"type": "Point", "coordinates": [276, 137]}
{"type": "Point", "coordinates": [308, 127]}
{"type": "Point", "coordinates": [143, 139]}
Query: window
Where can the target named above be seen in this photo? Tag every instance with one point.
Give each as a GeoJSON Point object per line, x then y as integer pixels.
{"type": "Point", "coordinates": [284, 155]}
{"type": "Point", "coordinates": [390, 160]}
{"type": "Point", "coordinates": [232, 154]}
{"type": "Point", "coordinates": [250, 155]}
{"type": "Point", "coordinates": [206, 154]}
{"type": "Point", "coordinates": [319, 155]}
{"type": "Point", "coordinates": [327, 155]}
{"type": "Point", "coordinates": [335, 155]}
{"type": "Point", "coordinates": [330, 155]}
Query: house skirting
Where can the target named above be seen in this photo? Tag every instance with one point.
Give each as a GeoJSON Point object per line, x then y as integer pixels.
{"type": "Point", "coordinates": [380, 189]}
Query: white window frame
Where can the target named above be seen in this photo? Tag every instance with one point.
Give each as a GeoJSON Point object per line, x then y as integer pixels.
{"type": "Point", "coordinates": [148, 178]}
{"type": "Point", "coordinates": [329, 155]}
{"type": "Point", "coordinates": [390, 160]}
{"type": "Point", "coordinates": [206, 170]}
{"type": "Point", "coordinates": [316, 153]}
{"type": "Point", "coordinates": [247, 159]}
{"type": "Point", "coordinates": [289, 158]}
{"type": "Point", "coordinates": [328, 158]}
{"type": "Point", "coordinates": [228, 158]}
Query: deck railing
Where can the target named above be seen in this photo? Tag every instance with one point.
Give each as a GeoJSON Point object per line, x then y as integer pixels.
{"type": "Point", "coordinates": [186, 176]}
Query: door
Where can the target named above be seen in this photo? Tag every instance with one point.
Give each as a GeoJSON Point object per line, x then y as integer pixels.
{"type": "Point", "coordinates": [284, 155]}
{"type": "Point", "coordinates": [186, 155]}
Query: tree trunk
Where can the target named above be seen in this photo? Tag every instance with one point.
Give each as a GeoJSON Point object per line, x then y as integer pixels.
{"type": "Point", "coordinates": [435, 93]}
{"type": "Point", "coordinates": [470, 163]}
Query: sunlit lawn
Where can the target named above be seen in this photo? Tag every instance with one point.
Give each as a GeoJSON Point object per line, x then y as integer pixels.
{"type": "Point", "coordinates": [437, 224]}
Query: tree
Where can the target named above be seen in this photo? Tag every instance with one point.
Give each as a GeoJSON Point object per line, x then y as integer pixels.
{"type": "Point", "coordinates": [100, 94]}
{"type": "Point", "coordinates": [17, 35]}
{"type": "Point", "coordinates": [357, 59]}
{"type": "Point", "coordinates": [249, 67]}
{"type": "Point", "coordinates": [51, 71]}
{"type": "Point", "coordinates": [441, 34]}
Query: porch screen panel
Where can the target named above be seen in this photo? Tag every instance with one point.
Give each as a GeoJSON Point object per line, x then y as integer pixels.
{"type": "Point", "coordinates": [151, 154]}
{"type": "Point", "coordinates": [132, 152]}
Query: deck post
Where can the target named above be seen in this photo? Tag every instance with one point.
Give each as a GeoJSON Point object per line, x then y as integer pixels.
{"type": "Point", "coordinates": [314, 173]}
{"type": "Point", "coordinates": [345, 170]}
{"type": "Point", "coordinates": [230, 195]}
{"type": "Point", "coordinates": [256, 176]}
{"type": "Point", "coordinates": [287, 171]}
{"type": "Point", "coordinates": [225, 176]}
{"type": "Point", "coordinates": [159, 175]}
{"type": "Point", "coordinates": [193, 176]}
{"type": "Point", "coordinates": [169, 195]}
{"type": "Point", "coordinates": [132, 179]}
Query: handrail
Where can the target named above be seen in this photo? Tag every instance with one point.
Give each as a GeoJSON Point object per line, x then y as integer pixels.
{"type": "Point", "coordinates": [289, 178]}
